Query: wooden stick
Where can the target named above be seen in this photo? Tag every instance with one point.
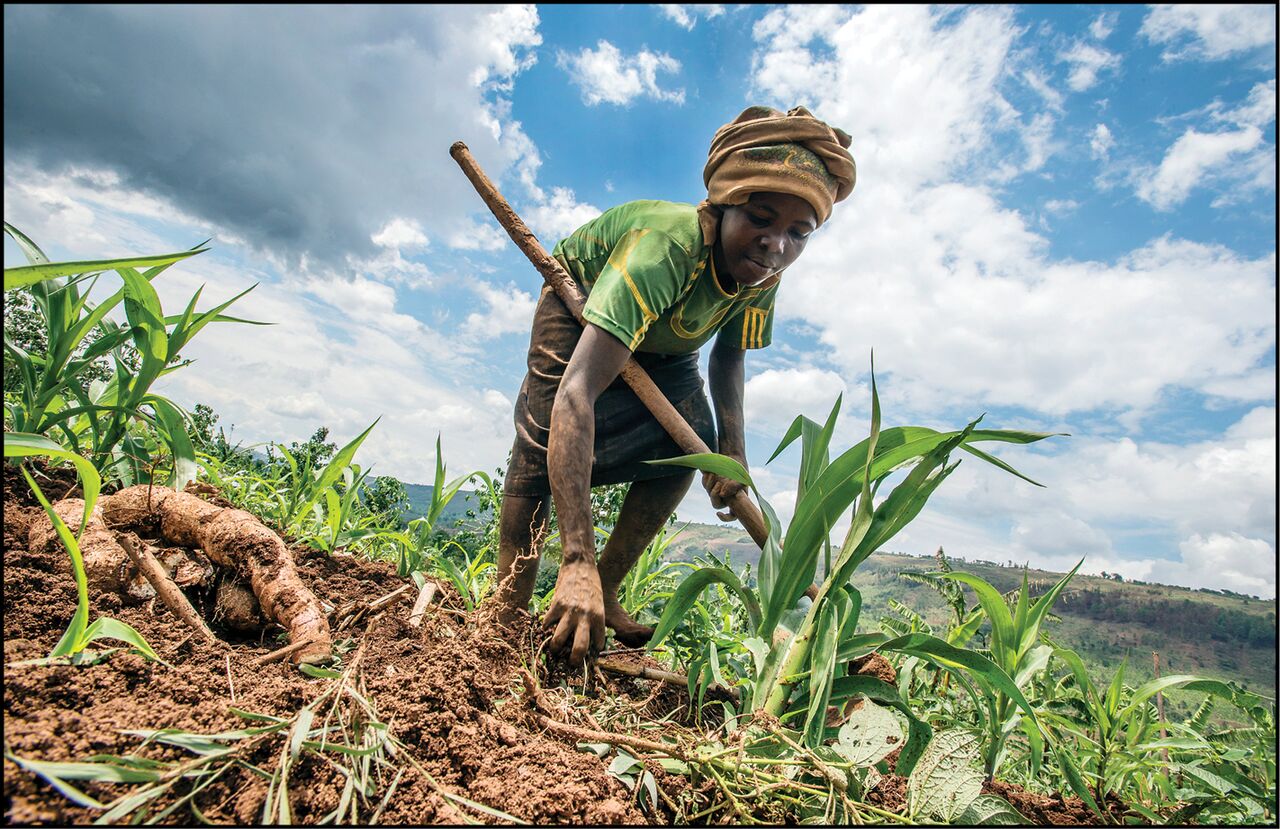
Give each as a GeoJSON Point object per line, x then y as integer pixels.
{"type": "Point", "coordinates": [564, 286]}
{"type": "Point", "coordinates": [643, 672]}
{"type": "Point", "coordinates": [390, 597]}
{"type": "Point", "coordinates": [425, 595]}
{"type": "Point", "coordinates": [230, 683]}
{"type": "Point", "coordinates": [590, 736]}
{"type": "Point", "coordinates": [281, 653]}
{"type": "Point", "coordinates": [169, 593]}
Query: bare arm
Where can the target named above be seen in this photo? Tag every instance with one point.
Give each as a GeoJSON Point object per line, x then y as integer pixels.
{"type": "Point", "coordinates": [726, 380]}
{"type": "Point", "coordinates": [577, 608]}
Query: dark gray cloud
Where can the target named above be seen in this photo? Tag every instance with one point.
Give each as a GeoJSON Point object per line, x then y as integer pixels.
{"type": "Point", "coordinates": [301, 129]}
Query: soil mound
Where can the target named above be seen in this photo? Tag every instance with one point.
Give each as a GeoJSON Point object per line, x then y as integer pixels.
{"type": "Point", "coordinates": [450, 691]}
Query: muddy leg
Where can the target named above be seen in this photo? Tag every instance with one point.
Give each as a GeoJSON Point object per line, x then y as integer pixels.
{"type": "Point", "coordinates": [522, 528]}
{"type": "Point", "coordinates": [647, 507]}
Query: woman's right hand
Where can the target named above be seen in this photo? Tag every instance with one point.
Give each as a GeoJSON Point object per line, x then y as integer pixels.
{"type": "Point", "coordinates": [576, 614]}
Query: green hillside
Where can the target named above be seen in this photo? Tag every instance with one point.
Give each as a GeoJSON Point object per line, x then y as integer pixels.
{"type": "Point", "coordinates": [420, 502]}
{"type": "Point", "coordinates": [1223, 636]}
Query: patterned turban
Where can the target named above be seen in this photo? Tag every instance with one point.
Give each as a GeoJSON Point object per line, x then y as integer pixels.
{"type": "Point", "coordinates": [764, 150]}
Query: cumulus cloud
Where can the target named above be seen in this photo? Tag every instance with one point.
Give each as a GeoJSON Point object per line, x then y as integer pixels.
{"type": "Point", "coordinates": [917, 88]}
{"type": "Point", "coordinates": [1194, 157]}
{"type": "Point", "coordinates": [559, 215]}
{"type": "Point", "coordinates": [1101, 142]}
{"type": "Point", "coordinates": [686, 15]}
{"type": "Point", "coordinates": [1210, 32]}
{"type": "Point", "coordinates": [1087, 61]}
{"type": "Point", "coordinates": [400, 233]}
{"type": "Point", "coordinates": [283, 159]}
{"type": "Point", "coordinates": [1103, 25]}
{"type": "Point", "coordinates": [474, 235]}
{"type": "Point", "coordinates": [776, 396]}
{"type": "Point", "coordinates": [606, 75]}
{"type": "Point", "coordinates": [957, 293]}
{"type": "Point", "coordinates": [508, 310]}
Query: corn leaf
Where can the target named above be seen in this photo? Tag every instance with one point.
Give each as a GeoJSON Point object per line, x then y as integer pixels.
{"type": "Point", "coordinates": [24, 275]}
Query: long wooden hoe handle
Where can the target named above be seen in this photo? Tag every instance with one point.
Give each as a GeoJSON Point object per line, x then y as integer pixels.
{"type": "Point", "coordinates": [564, 286]}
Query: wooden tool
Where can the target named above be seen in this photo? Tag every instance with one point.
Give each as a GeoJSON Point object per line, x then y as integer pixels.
{"type": "Point", "coordinates": [572, 297]}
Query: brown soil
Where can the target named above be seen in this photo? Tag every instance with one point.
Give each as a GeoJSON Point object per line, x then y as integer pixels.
{"type": "Point", "coordinates": [449, 690]}
{"type": "Point", "coordinates": [453, 693]}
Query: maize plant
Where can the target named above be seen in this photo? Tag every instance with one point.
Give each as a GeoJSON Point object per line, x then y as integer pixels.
{"type": "Point", "coordinates": [800, 656]}
{"type": "Point", "coordinates": [52, 394]}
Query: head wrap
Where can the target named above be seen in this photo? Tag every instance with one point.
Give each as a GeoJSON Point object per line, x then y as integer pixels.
{"type": "Point", "coordinates": [765, 150]}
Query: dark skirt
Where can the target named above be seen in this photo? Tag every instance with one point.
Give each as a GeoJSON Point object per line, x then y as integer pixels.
{"type": "Point", "coordinates": [627, 435]}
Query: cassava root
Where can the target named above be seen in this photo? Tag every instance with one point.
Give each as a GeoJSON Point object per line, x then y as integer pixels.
{"type": "Point", "coordinates": [238, 540]}
{"type": "Point", "coordinates": [168, 592]}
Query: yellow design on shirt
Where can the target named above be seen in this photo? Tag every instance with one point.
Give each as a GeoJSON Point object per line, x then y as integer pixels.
{"type": "Point", "coordinates": [753, 327]}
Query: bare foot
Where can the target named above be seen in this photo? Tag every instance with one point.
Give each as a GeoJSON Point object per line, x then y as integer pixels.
{"type": "Point", "coordinates": [626, 630]}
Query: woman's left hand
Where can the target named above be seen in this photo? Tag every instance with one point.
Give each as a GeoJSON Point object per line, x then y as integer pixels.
{"type": "Point", "coordinates": [722, 491]}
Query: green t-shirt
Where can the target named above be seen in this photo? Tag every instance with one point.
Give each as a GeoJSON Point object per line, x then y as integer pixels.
{"type": "Point", "coordinates": [651, 282]}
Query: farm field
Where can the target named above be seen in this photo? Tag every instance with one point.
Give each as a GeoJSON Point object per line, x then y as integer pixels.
{"type": "Point", "coordinates": [1129, 618]}
{"type": "Point", "coordinates": [198, 633]}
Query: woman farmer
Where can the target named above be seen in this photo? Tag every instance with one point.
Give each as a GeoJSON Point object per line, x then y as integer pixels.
{"type": "Point", "coordinates": [661, 280]}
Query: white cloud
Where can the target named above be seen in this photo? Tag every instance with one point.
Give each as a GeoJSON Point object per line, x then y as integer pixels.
{"type": "Point", "coordinates": [400, 233]}
{"type": "Point", "coordinates": [1230, 560]}
{"type": "Point", "coordinates": [558, 216]}
{"type": "Point", "coordinates": [473, 235]}
{"type": "Point", "coordinates": [1101, 142]}
{"type": "Point", "coordinates": [1087, 61]}
{"type": "Point", "coordinates": [956, 292]}
{"type": "Point", "coordinates": [508, 310]}
{"type": "Point", "coordinates": [915, 87]}
{"type": "Point", "coordinates": [1193, 158]}
{"type": "Point", "coordinates": [1258, 111]}
{"type": "Point", "coordinates": [1037, 138]}
{"type": "Point", "coordinates": [687, 14]}
{"type": "Point", "coordinates": [500, 39]}
{"type": "Point", "coordinates": [1210, 32]}
{"type": "Point", "coordinates": [605, 75]}
{"type": "Point", "coordinates": [1037, 81]}
{"type": "Point", "coordinates": [1103, 25]}
{"type": "Point", "coordinates": [775, 396]}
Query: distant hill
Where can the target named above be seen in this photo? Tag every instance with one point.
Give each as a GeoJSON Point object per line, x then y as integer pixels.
{"type": "Point", "coordinates": [420, 502]}
{"type": "Point", "coordinates": [1220, 635]}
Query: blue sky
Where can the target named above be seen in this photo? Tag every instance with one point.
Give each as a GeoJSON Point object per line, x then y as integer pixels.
{"type": "Point", "coordinates": [1064, 218]}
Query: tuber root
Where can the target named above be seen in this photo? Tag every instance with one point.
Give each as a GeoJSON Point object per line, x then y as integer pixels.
{"type": "Point", "coordinates": [235, 607]}
{"type": "Point", "coordinates": [236, 539]}
{"type": "Point", "coordinates": [106, 567]}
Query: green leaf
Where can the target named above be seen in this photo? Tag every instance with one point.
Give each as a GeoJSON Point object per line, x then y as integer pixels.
{"type": "Point", "coordinates": [106, 628]}
{"type": "Point", "coordinates": [25, 445]}
{"type": "Point", "coordinates": [918, 731]}
{"type": "Point", "coordinates": [1031, 631]}
{"type": "Point", "coordinates": [721, 465]}
{"type": "Point", "coordinates": [333, 471]}
{"type": "Point", "coordinates": [31, 274]}
{"type": "Point", "coordinates": [946, 781]}
{"type": "Point", "coordinates": [991, 810]}
{"type": "Point", "coordinates": [822, 663]}
{"type": "Point", "coordinates": [179, 442]}
{"type": "Point", "coordinates": [29, 248]}
{"type": "Point", "coordinates": [993, 604]}
{"type": "Point", "coordinates": [870, 734]}
{"type": "Point", "coordinates": [688, 592]}
{"type": "Point", "coordinates": [72, 639]}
